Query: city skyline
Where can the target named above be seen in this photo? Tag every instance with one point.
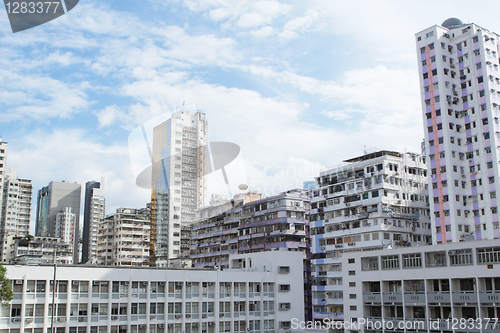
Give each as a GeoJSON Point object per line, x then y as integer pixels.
{"type": "Point", "coordinates": [292, 95]}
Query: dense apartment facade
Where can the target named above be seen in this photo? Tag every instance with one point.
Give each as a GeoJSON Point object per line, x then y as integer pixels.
{"type": "Point", "coordinates": [247, 297]}
{"type": "Point", "coordinates": [451, 287]}
{"type": "Point", "coordinates": [373, 201]}
{"type": "Point", "coordinates": [53, 199]}
{"type": "Point", "coordinates": [460, 92]}
{"type": "Point", "coordinates": [214, 234]}
{"type": "Point", "coordinates": [29, 250]}
{"type": "Point", "coordinates": [123, 238]}
{"type": "Point", "coordinates": [251, 224]}
{"type": "Point", "coordinates": [15, 207]}
{"type": "Point", "coordinates": [94, 212]}
{"type": "Point", "coordinates": [178, 182]}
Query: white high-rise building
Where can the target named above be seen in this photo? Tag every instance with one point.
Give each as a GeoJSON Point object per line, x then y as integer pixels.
{"type": "Point", "coordinates": [374, 201]}
{"type": "Point", "coordinates": [3, 166]}
{"type": "Point", "coordinates": [178, 182]}
{"type": "Point", "coordinates": [15, 207]}
{"type": "Point", "coordinates": [65, 226]}
{"type": "Point", "coordinates": [123, 238]}
{"type": "Point", "coordinates": [94, 212]}
{"type": "Point", "coordinates": [460, 88]}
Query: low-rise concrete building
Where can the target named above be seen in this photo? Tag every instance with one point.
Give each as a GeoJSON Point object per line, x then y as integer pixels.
{"type": "Point", "coordinates": [258, 293]}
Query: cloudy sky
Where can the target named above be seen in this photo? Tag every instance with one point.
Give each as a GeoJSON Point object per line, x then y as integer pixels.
{"type": "Point", "coordinates": [298, 85]}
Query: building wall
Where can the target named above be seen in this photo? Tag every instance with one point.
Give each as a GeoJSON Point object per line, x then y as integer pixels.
{"type": "Point", "coordinates": [52, 199]}
{"type": "Point", "coordinates": [38, 250]}
{"type": "Point", "coordinates": [429, 284]}
{"type": "Point", "coordinates": [460, 92]}
{"type": "Point", "coordinates": [123, 238]}
{"type": "Point", "coordinates": [95, 211]}
{"type": "Point", "coordinates": [159, 300]}
{"type": "Point", "coordinates": [215, 232]}
{"type": "Point", "coordinates": [16, 211]}
{"type": "Point", "coordinates": [179, 186]}
{"type": "Point", "coordinates": [65, 226]}
{"type": "Point", "coordinates": [250, 224]}
{"type": "Point", "coordinates": [3, 166]}
{"type": "Point", "coordinates": [373, 201]}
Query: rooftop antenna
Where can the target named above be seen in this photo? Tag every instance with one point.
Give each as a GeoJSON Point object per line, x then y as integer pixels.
{"type": "Point", "coordinates": [364, 150]}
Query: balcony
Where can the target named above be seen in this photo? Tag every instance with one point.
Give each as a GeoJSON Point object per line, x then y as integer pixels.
{"type": "Point", "coordinates": [371, 297]}
{"type": "Point", "coordinates": [414, 298]}
{"type": "Point", "coordinates": [489, 297]}
{"type": "Point", "coordinates": [392, 297]}
{"type": "Point", "coordinates": [464, 297]}
{"type": "Point", "coordinates": [439, 297]}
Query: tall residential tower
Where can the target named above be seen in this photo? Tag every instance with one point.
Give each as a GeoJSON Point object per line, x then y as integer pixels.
{"type": "Point", "coordinates": [15, 207]}
{"type": "Point", "coordinates": [460, 89]}
{"type": "Point", "coordinates": [178, 182]}
{"type": "Point", "coordinates": [374, 201]}
{"type": "Point", "coordinates": [94, 212]}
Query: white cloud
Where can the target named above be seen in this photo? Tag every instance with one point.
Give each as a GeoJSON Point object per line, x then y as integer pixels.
{"type": "Point", "coordinates": [76, 155]}
{"type": "Point", "coordinates": [27, 97]}
{"type": "Point", "coordinates": [298, 25]}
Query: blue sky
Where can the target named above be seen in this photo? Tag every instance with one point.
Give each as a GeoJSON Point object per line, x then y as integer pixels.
{"type": "Point", "coordinates": [299, 85]}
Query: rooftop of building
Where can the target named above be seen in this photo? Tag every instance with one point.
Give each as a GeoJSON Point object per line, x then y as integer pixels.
{"type": "Point", "coordinates": [373, 155]}
{"type": "Point", "coordinates": [298, 193]}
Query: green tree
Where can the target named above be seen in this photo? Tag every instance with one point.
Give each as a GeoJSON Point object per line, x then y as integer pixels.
{"type": "Point", "coordinates": [6, 294]}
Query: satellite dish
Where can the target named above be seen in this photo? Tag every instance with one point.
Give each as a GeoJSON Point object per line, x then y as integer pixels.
{"type": "Point", "coordinates": [243, 187]}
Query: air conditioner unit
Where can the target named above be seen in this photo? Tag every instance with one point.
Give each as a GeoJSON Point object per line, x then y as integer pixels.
{"type": "Point", "coordinates": [75, 282]}
{"type": "Point", "coordinates": [61, 319]}
{"type": "Point", "coordinates": [151, 317]}
{"type": "Point", "coordinates": [211, 323]}
{"type": "Point", "coordinates": [178, 283]}
{"type": "Point", "coordinates": [195, 324]}
{"type": "Point", "coordinates": [204, 295]}
{"type": "Point", "coordinates": [16, 320]}
{"type": "Point", "coordinates": [114, 317]}
{"type": "Point", "coordinates": [161, 325]}
{"type": "Point", "coordinates": [188, 316]}
{"type": "Point", "coordinates": [142, 326]}
{"type": "Point", "coordinates": [221, 315]}
{"type": "Point", "coordinates": [18, 282]}
{"type": "Point", "coordinates": [203, 315]}
{"type": "Point", "coordinates": [452, 252]}
{"type": "Point", "coordinates": [126, 283]}
{"type": "Point", "coordinates": [323, 248]}
{"type": "Point", "coordinates": [81, 319]}
{"type": "Point", "coordinates": [178, 316]}
{"type": "Point", "coordinates": [211, 284]}
{"type": "Point", "coordinates": [29, 320]}
{"type": "Point", "coordinates": [188, 283]}
{"type": "Point", "coordinates": [161, 283]}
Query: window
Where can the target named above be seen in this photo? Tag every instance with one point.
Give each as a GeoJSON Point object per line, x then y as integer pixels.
{"type": "Point", "coordinates": [284, 287]}
{"type": "Point", "coordinates": [284, 269]}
